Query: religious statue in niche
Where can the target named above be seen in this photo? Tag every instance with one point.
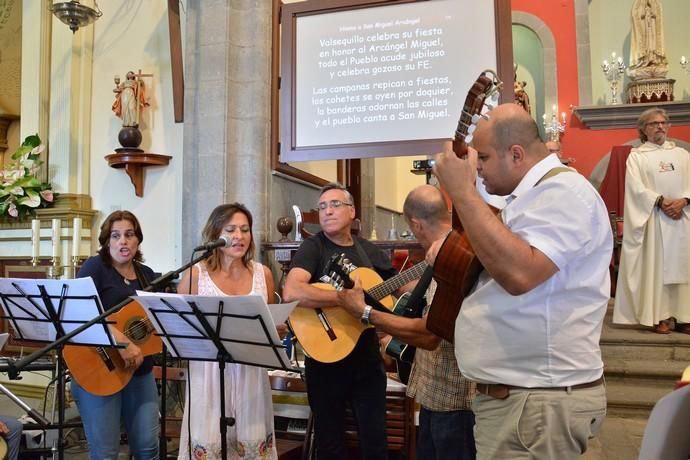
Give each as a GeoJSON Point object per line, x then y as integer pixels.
{"type": "Point", "coordinates": [647, 52]}
{"type": "Point", "coordinates": [130, 99]}
{"type": "Point", "coordinates": [521, 96]}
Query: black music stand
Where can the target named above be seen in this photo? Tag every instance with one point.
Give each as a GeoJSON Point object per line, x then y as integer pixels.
{"type": "Point", "coordinates": [202, 328]}
{"type": "Point", "coordinates": [31, 309]}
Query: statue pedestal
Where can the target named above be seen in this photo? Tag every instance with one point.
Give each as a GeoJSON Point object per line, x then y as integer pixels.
{"type": "Point", "coordinates": [651, 90]}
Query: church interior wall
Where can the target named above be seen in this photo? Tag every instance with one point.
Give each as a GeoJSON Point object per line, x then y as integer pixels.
{"type": "Point", "coordinates": [134, 35]}
{"type": "Point", "coordinates": [609, 30]}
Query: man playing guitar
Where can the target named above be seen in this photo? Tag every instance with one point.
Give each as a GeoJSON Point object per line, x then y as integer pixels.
{"type": "Point", "coordinates": [360, 376]}
{"type": "Point", "coordinates": [446, 420]}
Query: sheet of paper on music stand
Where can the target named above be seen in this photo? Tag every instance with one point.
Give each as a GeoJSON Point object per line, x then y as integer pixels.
{"type": "Point", "coordinates": [280, 311]}
{"type": "Point", "coordinates": [79, 307]}
{"type": "Point", "coordinates": [3, 339]}
{"type": "Point", "coordinates": [242, 326]}
{"type": "Point", "coordinates": [174, 317]}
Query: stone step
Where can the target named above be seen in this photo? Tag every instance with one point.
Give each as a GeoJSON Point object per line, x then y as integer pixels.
{"type": "Point", "coordinates": [640, 365]}
{"type": "Point", "coordinates": [660, 371]}
{"type": "Point", "coordinates": [625, 399]}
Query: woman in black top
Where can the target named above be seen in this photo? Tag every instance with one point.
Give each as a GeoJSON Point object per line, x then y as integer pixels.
{"type": "Point", "coordinates": [117, 272]}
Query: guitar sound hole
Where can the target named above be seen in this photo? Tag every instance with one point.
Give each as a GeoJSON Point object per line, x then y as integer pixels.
{"type": "Point", "coordinates": [136, 330]}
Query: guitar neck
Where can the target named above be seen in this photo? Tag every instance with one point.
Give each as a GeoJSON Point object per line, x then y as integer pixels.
{"type": "Point", "coordinates": [392, 284]}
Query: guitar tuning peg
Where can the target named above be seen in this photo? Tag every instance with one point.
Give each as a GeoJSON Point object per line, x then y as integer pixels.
{"type": "Point", "coordinates": [472, 128]}
{"type": "Point", "coordinates": [475, 118]}
{"type": "Point", "coordinates": [468, 139]}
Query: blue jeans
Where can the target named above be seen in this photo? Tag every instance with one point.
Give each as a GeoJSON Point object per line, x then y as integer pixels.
{"type": "Point", "coordinates": [13, 437]}
{"type": "Point", "coordinates": [136, 404]}
{"type": "Point", "coordinates": [446, 435]}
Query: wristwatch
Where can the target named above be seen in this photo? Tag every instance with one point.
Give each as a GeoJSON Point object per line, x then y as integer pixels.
{"type": "Point", "coordinates": [365, 315]}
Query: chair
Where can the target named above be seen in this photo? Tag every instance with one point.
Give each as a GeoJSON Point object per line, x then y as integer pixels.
{"type": "Point", "coordinates": [665, 435]}
{"type": "Point", "coordinates": [173, 423]}
{"type": "Point", "coordinates": [289, 444]}
{"type": "Point", "coordinates": [400, 425]}
{"type": "Point", "coordinates": [617, 230]}
{"type": "Point", "coordinates": [311, 218]}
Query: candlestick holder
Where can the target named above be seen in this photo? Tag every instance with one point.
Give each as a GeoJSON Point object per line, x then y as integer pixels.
{"type": "Point", "coordinates": [55, 270]}
{"type": "Point", "coordinates": [684, 64]}
{"type": "Point", "coordinates": [613, 72]}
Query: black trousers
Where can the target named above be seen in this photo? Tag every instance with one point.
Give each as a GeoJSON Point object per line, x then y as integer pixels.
{"type": "Point", "coordinates": [363, 384]}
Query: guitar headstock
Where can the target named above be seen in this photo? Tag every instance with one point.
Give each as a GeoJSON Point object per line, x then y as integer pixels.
{"type": "Point", "coordinates": [480, 100]}
{"type": "Point", "coordinates": [339, 269]}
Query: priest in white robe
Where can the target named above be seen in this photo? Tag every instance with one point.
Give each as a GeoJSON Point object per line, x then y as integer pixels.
{"type": "Point", "coordinates": [654, 274]}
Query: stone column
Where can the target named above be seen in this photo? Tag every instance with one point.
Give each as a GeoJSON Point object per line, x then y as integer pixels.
{"type": "Point", "coordinates": [227, 112]}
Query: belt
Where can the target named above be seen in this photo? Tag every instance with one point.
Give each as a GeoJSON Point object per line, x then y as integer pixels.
{"type": "Point", "coordinates": [500, 391]}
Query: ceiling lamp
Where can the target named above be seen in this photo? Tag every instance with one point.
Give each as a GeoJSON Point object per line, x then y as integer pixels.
{"type": "Point", "coordinates": [76, 15]}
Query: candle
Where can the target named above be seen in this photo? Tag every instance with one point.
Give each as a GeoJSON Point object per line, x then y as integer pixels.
{"type": "Point", "coordinates": [76, 236]}
{"type": "Point", "coordinates": [35, 238]}
{"type": "Point", "coordinates": [56, 238]}
{"type": "Point", "coordinates": [563, 116]}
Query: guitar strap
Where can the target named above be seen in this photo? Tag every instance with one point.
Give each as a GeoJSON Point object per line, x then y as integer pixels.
{"type": "Point", "coordinates": [358, 248]}
{"type": "Point", "coordinates": [361, 253]}
{"type": "Point", "coordinates": [549, 174]}
{"type": "Point", "coordinates": [141, 277]}
{"type": "Point", "coordinates": [552, 172]}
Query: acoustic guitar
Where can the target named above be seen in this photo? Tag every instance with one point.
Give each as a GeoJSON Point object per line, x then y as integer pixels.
{"type": "Point", "coordinates": [409, 305]}
{"type": "Point", "coordinates": [101, 370]}
{"type": "Point", "coordinates": [329, 334]}
{"type": "Point", "coordinates": [457, 268]}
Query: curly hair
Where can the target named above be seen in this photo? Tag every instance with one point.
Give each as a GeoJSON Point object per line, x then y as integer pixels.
{"type": "Point", "coordinates": [106, 228]}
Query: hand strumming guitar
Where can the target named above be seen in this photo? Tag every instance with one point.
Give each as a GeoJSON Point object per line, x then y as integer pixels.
{"type": "Point", "coordinates": [131, 354]}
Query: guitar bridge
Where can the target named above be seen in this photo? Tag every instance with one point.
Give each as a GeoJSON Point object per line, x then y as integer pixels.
{"type": "Point", "coordinates": [326, 325]}
{"type": "Point", "coordinates": [107, 360]}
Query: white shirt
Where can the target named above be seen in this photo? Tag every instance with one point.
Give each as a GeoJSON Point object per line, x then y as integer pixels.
{"type": "Point", "coordinates": [550, 335]}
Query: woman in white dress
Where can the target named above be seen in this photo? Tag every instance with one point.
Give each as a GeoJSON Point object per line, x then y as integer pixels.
{"type": "Point", "coordinates": [229, 271]}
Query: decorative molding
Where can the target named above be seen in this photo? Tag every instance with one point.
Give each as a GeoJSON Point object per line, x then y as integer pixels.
{"type": "Point", "coordinates": [134, 164]}
{"type": "Point", "coordinates": [625, 115]}
{"type": "Point", "coordinates": [550, 70]}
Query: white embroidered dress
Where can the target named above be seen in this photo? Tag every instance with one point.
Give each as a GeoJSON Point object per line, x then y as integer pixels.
{"type": "Point", "coordinates": [247, 399]}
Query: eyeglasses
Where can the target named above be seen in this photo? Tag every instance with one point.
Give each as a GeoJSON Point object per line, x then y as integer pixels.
{"type": "Point", "coordinates": [129, 234]}
{"type": "Point", "coordinates": [657, 123]}
{"type": "Point", "coordinates": [335, 204]}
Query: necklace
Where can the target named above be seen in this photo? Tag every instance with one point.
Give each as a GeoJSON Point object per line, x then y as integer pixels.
{"type": "Point", "coordinates": [125, 278]}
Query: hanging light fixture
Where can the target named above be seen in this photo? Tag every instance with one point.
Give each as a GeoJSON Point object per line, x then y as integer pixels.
{"type": "Point", "coordinates": [76, 15]}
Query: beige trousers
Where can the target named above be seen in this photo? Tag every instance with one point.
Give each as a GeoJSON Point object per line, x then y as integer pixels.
{"type": "Point", "coordinates": [538, 424]}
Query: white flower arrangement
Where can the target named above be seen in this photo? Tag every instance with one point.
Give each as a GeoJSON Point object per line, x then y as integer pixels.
{"type": "Point", "coordinates": [21, 192]}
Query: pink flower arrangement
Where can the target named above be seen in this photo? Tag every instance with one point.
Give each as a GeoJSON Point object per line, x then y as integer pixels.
{"type": "Point", "coordinates": [21, 192]}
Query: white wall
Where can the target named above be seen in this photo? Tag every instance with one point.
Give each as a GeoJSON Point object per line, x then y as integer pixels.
{"type": "Point", "coordinates": [133, 35]}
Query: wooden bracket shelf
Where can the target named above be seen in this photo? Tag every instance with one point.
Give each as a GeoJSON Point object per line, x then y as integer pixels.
{"type": "Point", "coordinates": [134, 162]}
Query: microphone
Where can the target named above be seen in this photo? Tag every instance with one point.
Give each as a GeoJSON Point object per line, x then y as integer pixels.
{"type": "Point", "coordinates": [222, 242]}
